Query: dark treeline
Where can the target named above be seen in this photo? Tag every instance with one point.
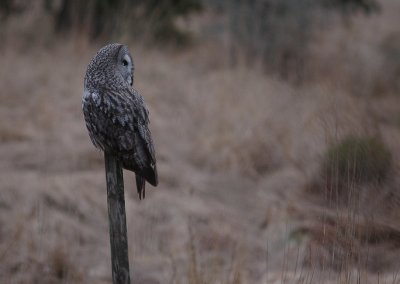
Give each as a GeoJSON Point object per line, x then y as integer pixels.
{"type": "Point", "coordinates": [277, 32]}
{"type": "Point", "coordinates": [153, 19]}
{"type": "Point", "coordinates": [280, 31]}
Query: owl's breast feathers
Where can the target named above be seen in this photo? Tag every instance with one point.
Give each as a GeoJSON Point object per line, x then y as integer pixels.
{"type": "Point", "coordinates": [118, 122]}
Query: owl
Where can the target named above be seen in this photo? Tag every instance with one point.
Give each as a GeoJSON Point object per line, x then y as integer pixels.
{"type": "Point", "coordinates": [116, 116]}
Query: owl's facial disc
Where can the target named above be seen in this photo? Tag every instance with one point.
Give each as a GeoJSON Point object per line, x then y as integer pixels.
{"type": "Point", "coordinates": [126, 67]}
{"type": "Point", "coordinates": [126, 61]}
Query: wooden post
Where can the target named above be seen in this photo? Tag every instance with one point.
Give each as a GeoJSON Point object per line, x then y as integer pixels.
{"type": "Point", "coordinates": [117, 220]}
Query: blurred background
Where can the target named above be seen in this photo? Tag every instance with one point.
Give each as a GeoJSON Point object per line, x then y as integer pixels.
{"type": "Point", "coordinates": [277, 130]}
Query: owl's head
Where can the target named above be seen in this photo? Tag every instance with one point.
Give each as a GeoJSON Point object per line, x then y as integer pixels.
{"type": "Point", "coordinates": [112, 65]}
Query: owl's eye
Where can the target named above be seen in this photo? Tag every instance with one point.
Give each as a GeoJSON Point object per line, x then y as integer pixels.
{"type": "Point", "coordinates": [124, 62]}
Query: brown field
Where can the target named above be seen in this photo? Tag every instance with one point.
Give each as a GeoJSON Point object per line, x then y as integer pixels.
{"type": "Point", "coordinates": [241, 196]}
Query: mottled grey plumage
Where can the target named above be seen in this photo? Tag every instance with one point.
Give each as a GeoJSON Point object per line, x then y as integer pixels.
{"type": "Point", "coordinates": [116, 116]}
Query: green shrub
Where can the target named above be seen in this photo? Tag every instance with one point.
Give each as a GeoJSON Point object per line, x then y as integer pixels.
{"type": "Point", "coordinates": [356, 159]}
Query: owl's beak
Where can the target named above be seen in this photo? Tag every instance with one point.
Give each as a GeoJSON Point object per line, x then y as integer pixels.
{"type": "Point", "coordinates": [130, 80]}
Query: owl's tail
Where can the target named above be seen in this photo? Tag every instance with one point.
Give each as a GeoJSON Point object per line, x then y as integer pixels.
{"type": "Point", "coordinates": [150, 174]}
{"type": "Point", "coordinates": [141, 186]}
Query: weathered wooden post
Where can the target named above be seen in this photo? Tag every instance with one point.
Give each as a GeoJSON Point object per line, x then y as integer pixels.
{"type": "Point", "coordinates": [117, 220]}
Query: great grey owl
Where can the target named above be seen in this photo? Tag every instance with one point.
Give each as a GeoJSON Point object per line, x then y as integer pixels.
{"type": "Point", "coordinates": [116, 116]}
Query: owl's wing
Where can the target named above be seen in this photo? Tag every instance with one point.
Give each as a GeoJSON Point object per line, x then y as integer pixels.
{"type": "Point", "coordinates": [117, 121]}
{"type": "Point", "coordinates": [135, 142]}
{"type": "Point", "coordinates": [143, 122]}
